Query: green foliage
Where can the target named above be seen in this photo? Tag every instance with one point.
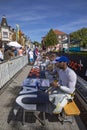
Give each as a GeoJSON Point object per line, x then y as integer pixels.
{"type": "Point", "coordinates": [51, 39]}
{"type": "Point", "coordinates": [78, 53]}
{"type": "Point", "coordinates": [36, 43]}
{"type": "Point", "coordinates": [81, 36]}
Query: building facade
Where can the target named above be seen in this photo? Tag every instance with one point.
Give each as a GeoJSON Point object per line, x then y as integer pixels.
{"type": "Point", "coordinates": [61, 37]}
{"type": "Point", "coordinates": [4, 31]}
{"type": "Point", "coordinates": [7, 34]}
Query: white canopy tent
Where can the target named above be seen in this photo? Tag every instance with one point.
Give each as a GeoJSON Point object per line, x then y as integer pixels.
{"type": "Point", "coordinates": [14, 44]}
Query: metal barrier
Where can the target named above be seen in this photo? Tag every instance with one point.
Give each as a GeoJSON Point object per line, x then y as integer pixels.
{"type": "Point", "coordinates": [9, 68]}
{"type": "Point", "coordinates": [81, 91]}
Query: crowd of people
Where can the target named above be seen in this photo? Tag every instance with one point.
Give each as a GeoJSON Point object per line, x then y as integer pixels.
{"type": "Point", "coordinates": [8, 52]}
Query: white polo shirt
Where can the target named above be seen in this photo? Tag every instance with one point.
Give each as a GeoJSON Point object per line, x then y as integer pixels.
{"type": "Point", "coordinates": [67, 80]}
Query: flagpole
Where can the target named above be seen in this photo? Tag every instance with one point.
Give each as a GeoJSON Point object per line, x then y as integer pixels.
{"type": "Point", "coordinates": [17, 32]}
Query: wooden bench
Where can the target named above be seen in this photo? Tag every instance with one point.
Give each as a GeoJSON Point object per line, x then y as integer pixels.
{"type": "Point", "coordinates": [71, 109]}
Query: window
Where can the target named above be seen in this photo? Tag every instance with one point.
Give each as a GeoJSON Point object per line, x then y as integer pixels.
{"type": "Point", "coordinates": [4, 24]}
{"type": "Point", "coordinates": [59, 36]}
{"type": "Point", "coordinates": [5, 34]}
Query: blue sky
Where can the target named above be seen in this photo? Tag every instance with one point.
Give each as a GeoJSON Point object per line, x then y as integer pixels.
{"type": "Point", "coordinates": [37, 17]}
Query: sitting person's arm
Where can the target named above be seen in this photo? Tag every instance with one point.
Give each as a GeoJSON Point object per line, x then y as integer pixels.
{"type": "Point", "coordinates": [68, 89]}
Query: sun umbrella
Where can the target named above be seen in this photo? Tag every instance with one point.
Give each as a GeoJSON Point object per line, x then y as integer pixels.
{"type": "Point", "coordinates": [14, 44]}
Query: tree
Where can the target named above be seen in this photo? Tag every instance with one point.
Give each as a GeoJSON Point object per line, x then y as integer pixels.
{"type": "Point", "coordinates": [14, 36]}
{"type": "Point", "coordinates": [36, 43]}
{"type": "Point", "coordinates": [19, 36]}
{"type": "Point", "coordinates": [51, 39]}
{"type": "Point", "coordinates": [81, 36]}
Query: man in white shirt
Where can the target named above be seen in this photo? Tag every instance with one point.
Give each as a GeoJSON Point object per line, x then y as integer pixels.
{"type": "Point", "coordinates": [31, 57]}
{"type": "Point", "coordinates": [66, 84]}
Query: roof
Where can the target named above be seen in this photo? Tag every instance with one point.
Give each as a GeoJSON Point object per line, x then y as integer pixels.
{"type": "Point", "coordinates": [4, 21]}
{"type": "Point", "coordinates": [58, 32]}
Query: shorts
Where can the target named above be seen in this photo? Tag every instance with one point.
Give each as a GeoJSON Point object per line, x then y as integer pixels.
{"type": "Point", "coordinates": [31, 60]}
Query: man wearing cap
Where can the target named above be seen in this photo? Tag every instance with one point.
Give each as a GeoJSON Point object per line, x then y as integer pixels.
{"type": "Point", "coordinates": [65, 86]}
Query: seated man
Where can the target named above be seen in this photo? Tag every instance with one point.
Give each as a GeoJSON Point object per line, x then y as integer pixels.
{"type": "Point", "coordinates": [52, 70]}
{"type": "Point", "coordinates": [65, 86]}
